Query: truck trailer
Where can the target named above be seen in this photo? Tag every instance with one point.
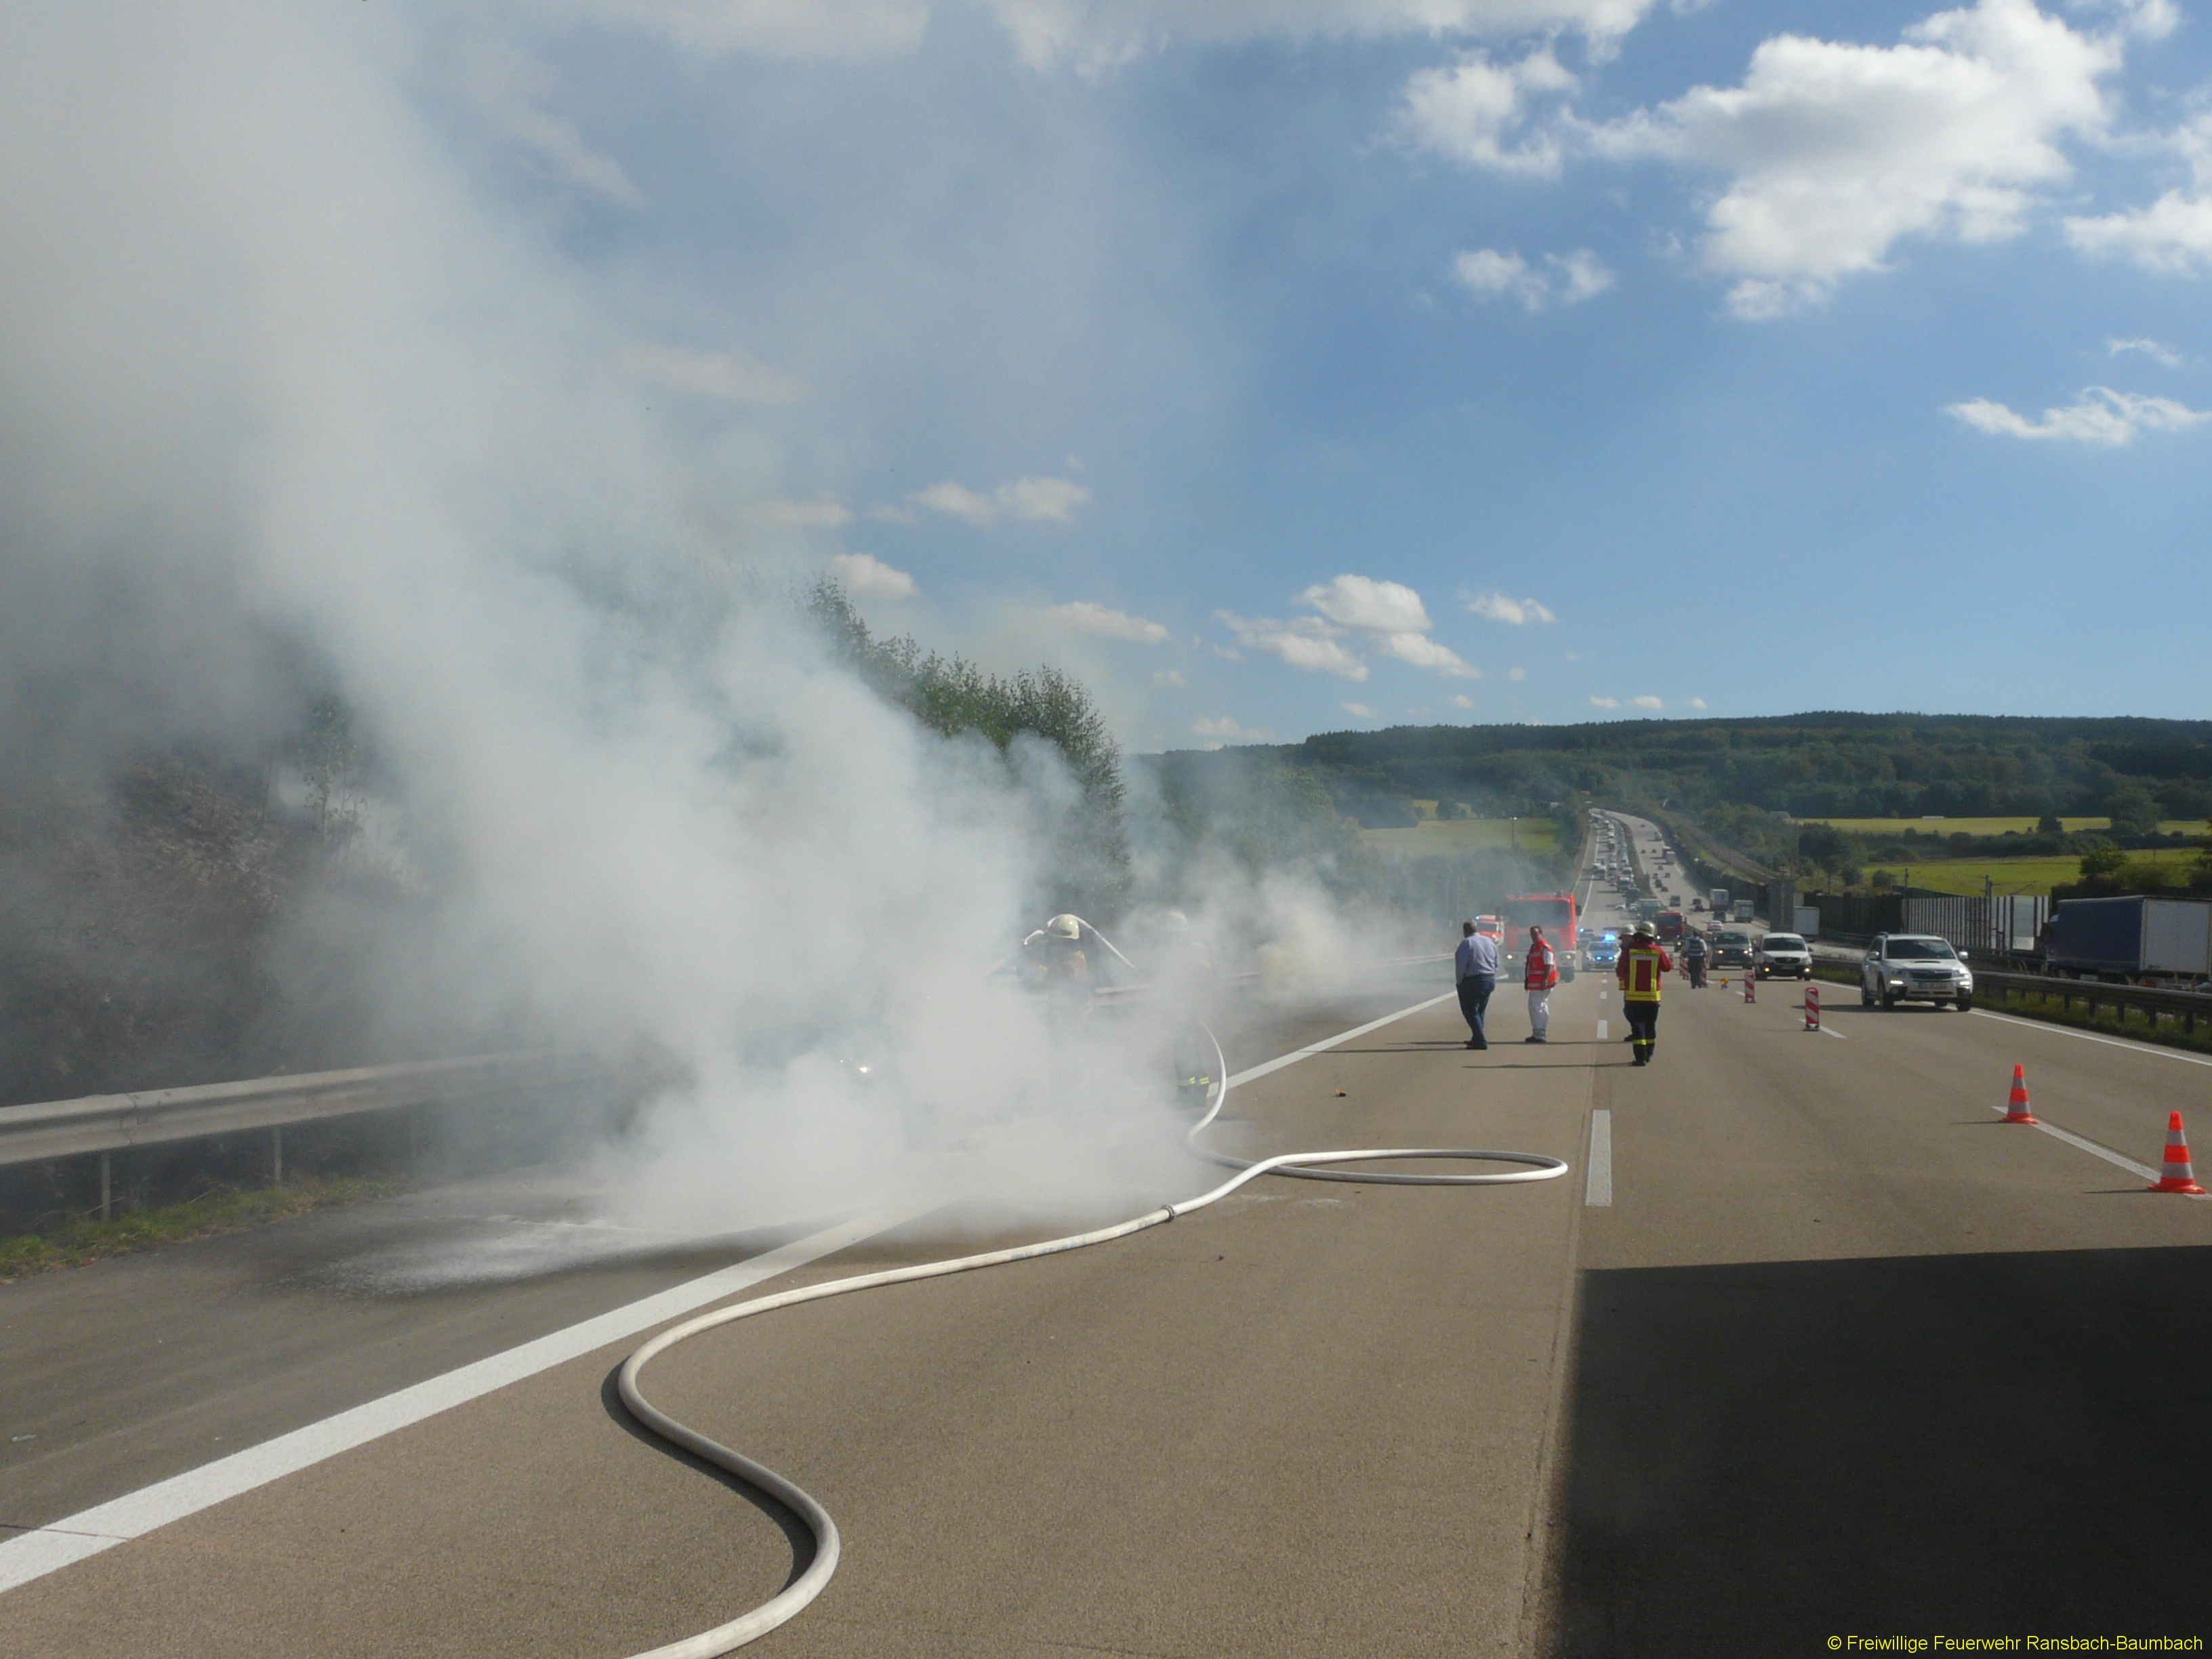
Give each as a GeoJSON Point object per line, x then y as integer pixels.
{"type": "Point", "coordinates": [2130, 939]}
{"type": "Point", "coordinates": [1719, 902]}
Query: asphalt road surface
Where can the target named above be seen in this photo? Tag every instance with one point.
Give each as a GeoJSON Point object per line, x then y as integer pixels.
{"type": "Point", "coordinates": [1809, 1344]}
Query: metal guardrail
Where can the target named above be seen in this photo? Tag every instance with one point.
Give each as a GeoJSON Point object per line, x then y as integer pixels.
{"type": "Point", "coordinates": [115, 1123]}
{"type": "Point", "coordinates": [2188, 1006]}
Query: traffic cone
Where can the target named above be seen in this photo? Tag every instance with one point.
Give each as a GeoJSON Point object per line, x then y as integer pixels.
{"type": "Point", "coordinates": [2174, 1175]}
{"type": "Point", "coordinates": [2016, 1111]}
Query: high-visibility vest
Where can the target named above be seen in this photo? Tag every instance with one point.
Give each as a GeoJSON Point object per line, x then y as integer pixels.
{"type": "Point", "coordinates": [1642, 968]}
{"type": "Point", "coordinates": [1542, 971]}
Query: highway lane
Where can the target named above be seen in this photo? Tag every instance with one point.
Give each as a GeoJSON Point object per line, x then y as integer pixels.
{"type": "Point", "coordinates": [1855, 1356]}
{"type": "Point", "coordinates": [1312, 1420]}
{"type": "Point", "coordinates": [1842, 1353]}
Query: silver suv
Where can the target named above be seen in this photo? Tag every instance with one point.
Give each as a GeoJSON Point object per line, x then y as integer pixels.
{"type": "Point", "coordinates": [1914, 967]}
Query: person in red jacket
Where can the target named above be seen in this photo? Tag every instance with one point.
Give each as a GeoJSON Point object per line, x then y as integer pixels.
{"type": "Point", "coordinates": [1643, 964]}
{"type": "Point", "coordinates": [1538, 975]}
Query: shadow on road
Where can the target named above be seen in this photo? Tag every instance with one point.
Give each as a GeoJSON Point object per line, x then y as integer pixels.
{"type": "Point", "coordinates": [1765, 1455]}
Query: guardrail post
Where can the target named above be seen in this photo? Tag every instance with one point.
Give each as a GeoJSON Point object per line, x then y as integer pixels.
{"type": "Point", "coordinates": [276, 1140]}
{"type": "Point", "coordinates": [107, 1173]}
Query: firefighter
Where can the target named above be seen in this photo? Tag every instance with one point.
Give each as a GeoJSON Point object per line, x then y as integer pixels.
{"type": "Point", "coordinates": [1643, 963]}
{"type": "Point", "coordinates": [1540, 973]}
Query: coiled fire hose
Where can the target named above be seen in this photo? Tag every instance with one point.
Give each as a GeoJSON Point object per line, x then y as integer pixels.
{"type": "Point", "coordinates": [786, 1606]}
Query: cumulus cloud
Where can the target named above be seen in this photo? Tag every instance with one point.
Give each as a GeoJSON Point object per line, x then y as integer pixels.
{"type": "Point", "coordinates": [868, 578]}
{"type": "Point", "coordinates": [1040, 501]}
{"type": "Point", "coordinates": [1483, 113]}
{"type": "Point", "coordinates": [2174, 234]}
{"type": "Point", "coordinates": [1306, 643]}
{"type": "Point", "coordinates": [1503, 608]}
{"type": "Point", "coordinates": [1357, 618]}
{"type": "Point", "coordinates": [1095, 34]}
{"type": "Point", "coordinates": [1461, 700]}
{"type": "Point", "coordinates": [1362, 602]}
{"type": "Point", "coordinates": [1082, 617]}
{"type": "Point", "coordinates": [1223, 729]}
{"type": "Point", "coordinates": [1646, 702]}
{"type": "Point", "coordinates": [1359, 708]}
{"type": "Point", "coordinates": [2157, 352]}
{"type": "Point", "coordinates": [1605, 703]}
{"type": "Point", "coordinates": [2101, 417]}
{"type": "Point", "coordinates": [729, 377]}
{"type": "Point", "coordinates": [1833, 153]}
{"type": "Point", "coordinates": [1569, 278]}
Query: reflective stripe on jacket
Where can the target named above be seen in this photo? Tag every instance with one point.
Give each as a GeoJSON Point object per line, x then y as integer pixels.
{"type": "Point", "coordinates": [1642, 966]}
{"type": "Point", "coordinates": [1542, 972]}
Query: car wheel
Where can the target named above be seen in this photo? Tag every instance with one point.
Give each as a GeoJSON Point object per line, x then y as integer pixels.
{"type": "Point", "coordinates": [1965, 1005]}
{"type": "Point", "coordinates": [1889, 1002]}
{"type": "Point", "coordinates": [1866, 997]}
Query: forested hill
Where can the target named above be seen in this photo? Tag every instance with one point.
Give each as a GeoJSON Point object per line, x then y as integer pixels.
{"type": "Point", "coordinates": [1820, 764]}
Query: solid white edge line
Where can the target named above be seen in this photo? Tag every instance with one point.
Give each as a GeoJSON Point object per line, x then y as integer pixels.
{"type": "Point", "coordinates": [41, 1550]}
{"type": "Point", "coordinates": [35, 1552]}
{"type": "Point", "coordinates": [1597, 1183]}
{"type": "Point", "coordinates": [2091, 1036]}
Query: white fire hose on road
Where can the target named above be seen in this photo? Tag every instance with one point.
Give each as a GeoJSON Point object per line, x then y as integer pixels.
{"type": "Point", "coordinates": [794, 1597]}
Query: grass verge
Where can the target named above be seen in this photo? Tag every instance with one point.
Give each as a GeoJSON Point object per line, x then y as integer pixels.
{"type": "Point", "coordinates": [226, 1210]}
{"type": "Point", "coordinates": [2136, 1025]}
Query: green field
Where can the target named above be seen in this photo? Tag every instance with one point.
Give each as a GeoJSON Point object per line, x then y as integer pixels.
{"type": "Point", "coordinates": [1464, 835]}
{"type": "Point", "coordinates": [2023, 875]}
{"type": "Point", "coordinates": [1980, 826]}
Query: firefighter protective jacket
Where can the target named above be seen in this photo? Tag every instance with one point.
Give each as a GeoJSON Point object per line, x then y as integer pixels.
{"type": "Point", "coordinates": [1644, 963]}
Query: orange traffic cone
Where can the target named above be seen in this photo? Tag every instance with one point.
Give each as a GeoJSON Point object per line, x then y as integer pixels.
{"type": "Point", "coordinates": [2175, 1175]}
{"type": "Point", "coordinates": [2016, 1111]}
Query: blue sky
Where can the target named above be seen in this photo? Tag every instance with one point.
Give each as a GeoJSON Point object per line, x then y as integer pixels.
{"type": "Point", "coordinates": [1286, 365]}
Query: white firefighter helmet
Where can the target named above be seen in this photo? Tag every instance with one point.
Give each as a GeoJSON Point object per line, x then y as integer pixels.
{"type": "Point", "coordinates": [1064, 927]}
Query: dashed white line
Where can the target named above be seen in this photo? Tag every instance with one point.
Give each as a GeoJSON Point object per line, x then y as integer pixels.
{"type": "Point", "coordinates": [1601, 1031]}
{"type": "Point", "coordinates": [1597, 1184]}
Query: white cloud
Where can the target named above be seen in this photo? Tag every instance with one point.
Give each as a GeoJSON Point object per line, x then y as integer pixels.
{"type": "Point", "coordinates": [1461, 700]}
{"type": "Point", "coordinates": [2174, 234]}
{"type": "Point", "coordinates": [2151, 349]}
{"type": "Point", "coordinates": [1363, 602]}
{"type": "Point", "coordinates": [1049, 500]}
{"type": "Point", "coordinates": [1305, 642]}
{"type": "Point", "coordinates": [1503, 608]}
{"type": "Point", "coordinates": [1168, 680]}
{"type": "Point", "coordinates": [1082, 617]}
{"type": "Point", "coordinates": [1574, 277]}
{"type": "Point", "coordinates": [1481, 113]}
{"type": "Point", "coordinates": [1423, 652]}
{"type": "Point", "coordinates": [1360, 709]}
{"type": "Point", "coordinates": [2101, 416]}
{"type": "Point", "coordinates": [1605, 703]}
{"type": "Point", "coordinates": [1226, 730]}
{"type": "Point", "coordinates": [1516, 673]}
{"type": "Point", "coordinates": [1095, 34]}
{"type": "Point", "coordinates": [729, 376]}
{"type": "Point", "coordinates": [1833, 153]}
{"type": "Point", "coordinates": [1647, 702]}
{"type": "Point", "coordinates": [869, 578]}
{"type": "Point", "coordinates": [1359, 617]}
{"type": "Point", "coordinates": [820, 514]}
{"type": "Point", "coordinates": [1697, 703]}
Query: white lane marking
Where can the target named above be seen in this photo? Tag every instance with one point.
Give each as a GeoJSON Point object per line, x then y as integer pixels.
{"type": "Point", "coordinates": [1601, 1031]}
{"type": "Point", "coordinates": [1597, 1184]}
{"type": "Point", "coordinates": [1327, 1043]}
{"type": "Point", "coordinates": [1825, 1031]}
{"type": "Point", "coordinates": [2091, 1036]}
{"type": "Point", "coordinates": [2095, 1149]}
{"type": "Point", "coordinates": [34, 1553]}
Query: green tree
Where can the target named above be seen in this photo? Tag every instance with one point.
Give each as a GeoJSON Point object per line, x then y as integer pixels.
{"type": "Point", "coordinates": [2102, 860]}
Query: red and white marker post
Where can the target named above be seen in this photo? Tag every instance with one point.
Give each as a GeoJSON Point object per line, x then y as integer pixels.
{"type": "Point", "coordinates": [1812, 1006]}
{"type": "Point", "coordinates": [1750, 986]}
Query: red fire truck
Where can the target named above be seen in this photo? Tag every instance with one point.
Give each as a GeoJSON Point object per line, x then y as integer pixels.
{"type": "Point", "coordinates": [1553, 912]}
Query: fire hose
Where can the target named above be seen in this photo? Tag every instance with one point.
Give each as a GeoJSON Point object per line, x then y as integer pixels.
{"type": "Point", "coordinates": [795, 1596]}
